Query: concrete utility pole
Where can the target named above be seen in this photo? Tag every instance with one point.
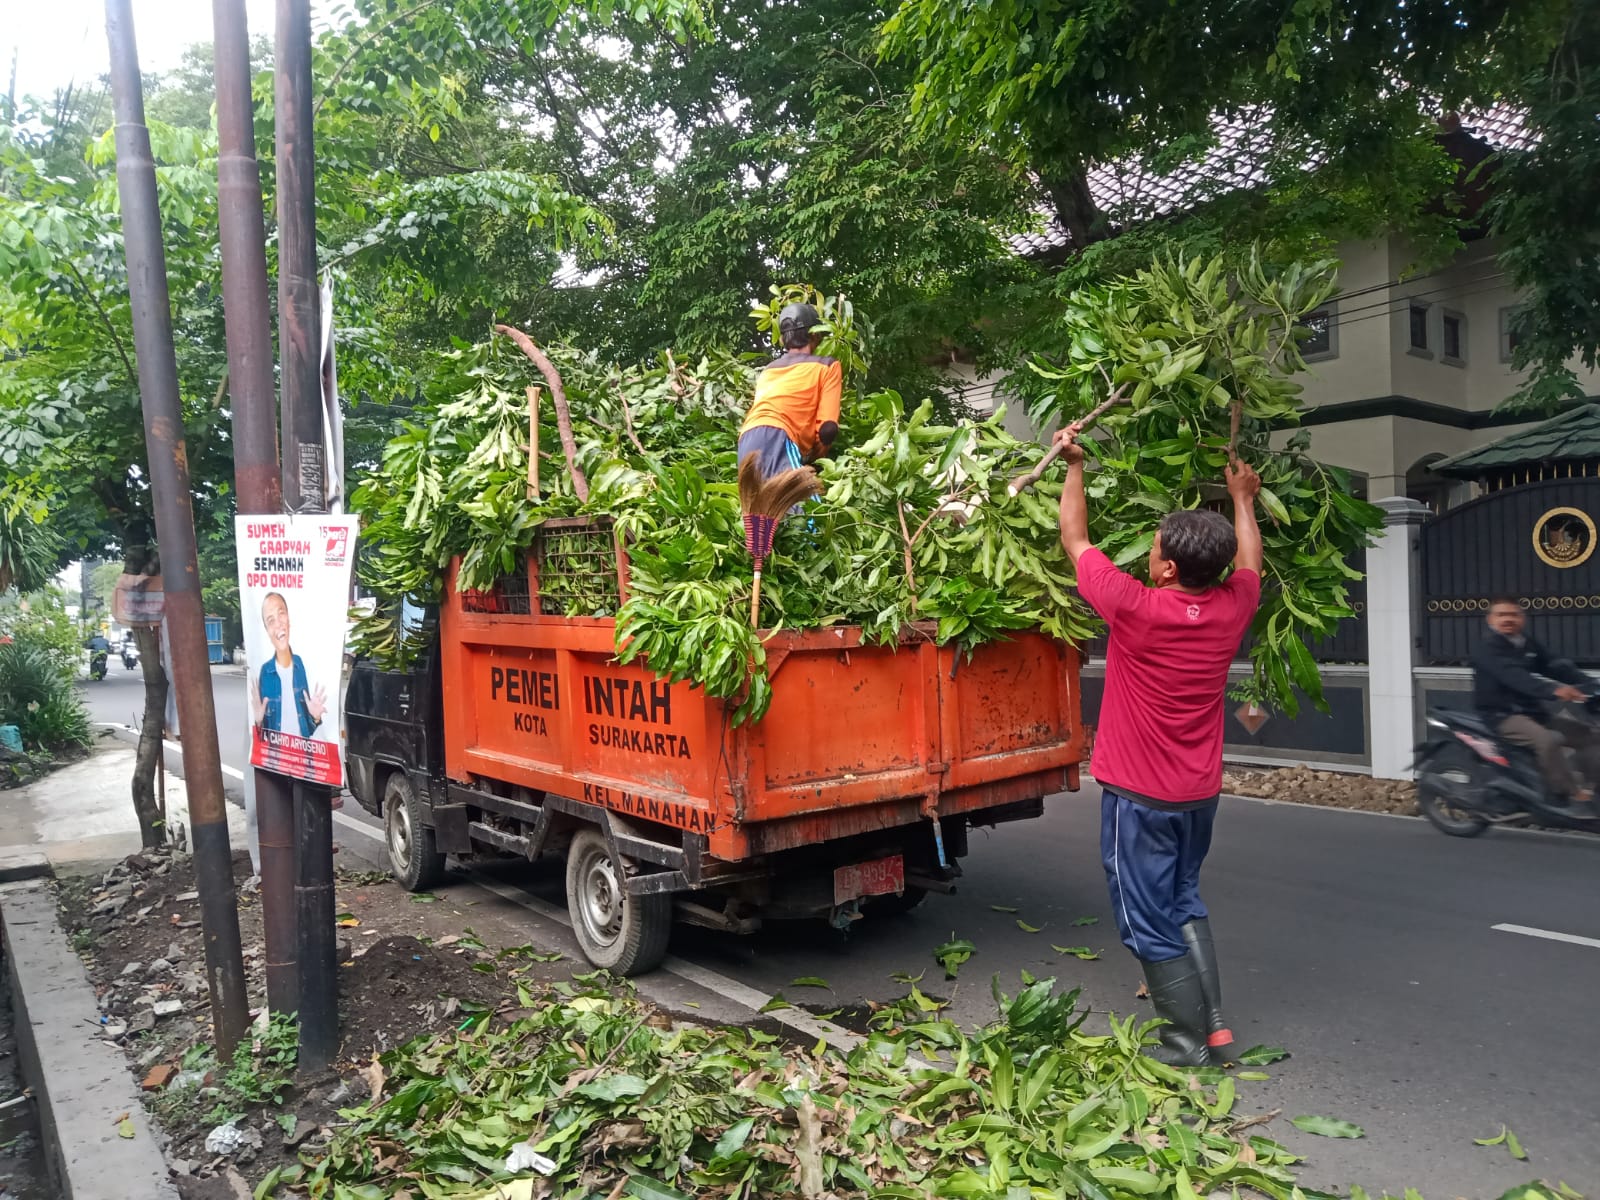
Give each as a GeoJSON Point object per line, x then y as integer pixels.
{"type": "Point", "coordinates": [300, 345]}
{"type": "Point", "coordinates": [170, 491]}
{"type": "Point", "coordinates": [245, 299]}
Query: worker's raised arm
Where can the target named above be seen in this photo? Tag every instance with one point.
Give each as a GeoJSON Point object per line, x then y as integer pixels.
{"type": "Point", "coordinates": [1074, 504]}
{"type": "Point", "coordinates": [1243, 485]}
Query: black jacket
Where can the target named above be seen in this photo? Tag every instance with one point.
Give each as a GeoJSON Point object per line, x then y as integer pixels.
{"type": "Point", "coordinates": [1505, 677]}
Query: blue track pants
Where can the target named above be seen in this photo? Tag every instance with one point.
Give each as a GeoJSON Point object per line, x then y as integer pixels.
{"type": "Point", "coordinates": [1152, 860]}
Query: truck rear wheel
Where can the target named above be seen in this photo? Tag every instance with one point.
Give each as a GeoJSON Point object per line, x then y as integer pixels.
{"type": "Point", "coordinates": [413, 861]}
{"type": "Point", "coordinates": [623, 933]}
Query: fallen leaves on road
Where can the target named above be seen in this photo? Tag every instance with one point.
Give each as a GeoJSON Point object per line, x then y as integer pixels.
{"type": "Point", "coordinates": [953, 954]}
{"type": "Point", "coordinates": [1261, 1056]}
{"type": "Point", "coordinates": [1083, 952]}
{"type": "Point", "coordinates": [1331, 1127]}
{"type": "Point", "coordinates": [1026, 928]}
{"type": "Point", "coordinates": [1507, 1139]}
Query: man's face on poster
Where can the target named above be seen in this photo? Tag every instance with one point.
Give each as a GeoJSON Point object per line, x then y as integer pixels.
{"type": "Point", "coordinates": [275, 616]}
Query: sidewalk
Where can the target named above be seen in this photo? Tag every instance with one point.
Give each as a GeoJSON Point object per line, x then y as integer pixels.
{"type": "Point", "coordinates": [82, 817]}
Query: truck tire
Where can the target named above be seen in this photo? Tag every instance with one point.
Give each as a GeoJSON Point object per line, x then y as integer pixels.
{"type": "Point", "coordinates": [413, 861]}
{"type": "Point", "coordinates": [624, 934]}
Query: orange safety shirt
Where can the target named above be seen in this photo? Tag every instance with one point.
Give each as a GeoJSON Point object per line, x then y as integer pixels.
{"type": "Point", "coordinates": [798, 393]}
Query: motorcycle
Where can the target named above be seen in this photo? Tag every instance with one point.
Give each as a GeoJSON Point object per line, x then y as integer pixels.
{"type": "Point", "coordinates": [97, 665]}
{"type": "Point", "coordinates": [130, 655]}
{"type": "Point", "coordinates": [1469, 779]}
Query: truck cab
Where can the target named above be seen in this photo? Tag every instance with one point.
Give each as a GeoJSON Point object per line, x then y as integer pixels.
{"type": "Point", "coordinates": [394, 745]}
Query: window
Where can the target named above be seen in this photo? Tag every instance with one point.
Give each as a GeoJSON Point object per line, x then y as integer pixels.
{"type": "Point", "coordinates": [1510, 339]}
{"type": "Point", "coordinates": [1321, 339]}
{"type": "Point", "coordinates": [1453, 339]}
{"type": "Point", "coordinates": [1419, 327]}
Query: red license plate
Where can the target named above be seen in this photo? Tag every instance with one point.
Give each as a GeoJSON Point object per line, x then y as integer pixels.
{"type": "Point", "coordinates": [880, 877]}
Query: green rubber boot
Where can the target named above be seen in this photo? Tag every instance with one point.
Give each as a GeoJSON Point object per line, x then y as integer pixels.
{"type": "Point", "coordinates": [1219, 1038]}
{"type": "Point", "coordinates": [1179, 999]}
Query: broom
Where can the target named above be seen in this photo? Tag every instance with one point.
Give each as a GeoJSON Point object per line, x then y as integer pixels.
{"type": "Point", "coordinates": [764, 503]}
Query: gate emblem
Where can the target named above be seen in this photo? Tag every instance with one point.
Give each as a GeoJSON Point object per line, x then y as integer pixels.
{"type": "Point", "coordinates": [1564, 537]}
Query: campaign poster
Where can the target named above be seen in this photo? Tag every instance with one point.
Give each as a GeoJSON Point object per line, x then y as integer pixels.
{"type": "Point", "coordinates": [294, 597]}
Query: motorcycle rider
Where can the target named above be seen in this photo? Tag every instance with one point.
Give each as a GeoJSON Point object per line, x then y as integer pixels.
{"type": "Point", "coordinates": [1514, 681]}
{"type": "Point", "coordinates": [98, 649]}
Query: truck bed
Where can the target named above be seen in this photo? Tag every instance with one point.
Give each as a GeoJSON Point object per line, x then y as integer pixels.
{"type": "Point", "coordinates": [858, 738]}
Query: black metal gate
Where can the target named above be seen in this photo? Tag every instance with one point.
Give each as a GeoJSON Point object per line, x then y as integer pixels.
{"type": "Point", "coordinates": [1537, 541]}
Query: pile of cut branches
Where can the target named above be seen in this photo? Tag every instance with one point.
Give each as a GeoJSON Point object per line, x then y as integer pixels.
{"type": "Point", "coordinates": [915, 534]}
{"type": "Point", "coordinates": [603, 1098]}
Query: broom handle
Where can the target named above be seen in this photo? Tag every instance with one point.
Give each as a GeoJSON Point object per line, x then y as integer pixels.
{"type": "Point", "coordinates": [1033, 476]}
{"type": "Point", "coordinates": [755, 601]}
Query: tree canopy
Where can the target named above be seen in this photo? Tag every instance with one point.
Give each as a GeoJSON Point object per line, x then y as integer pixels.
{"type": "Point", "coordinates": [1313, 121]}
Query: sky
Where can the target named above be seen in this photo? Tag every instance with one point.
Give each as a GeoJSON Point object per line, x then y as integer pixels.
{"type": "Point", "coordinates": [57, 42]}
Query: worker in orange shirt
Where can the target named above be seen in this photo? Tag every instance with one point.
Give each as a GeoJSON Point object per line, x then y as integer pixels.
{"type": "Point", "coordinates": [795, 415]}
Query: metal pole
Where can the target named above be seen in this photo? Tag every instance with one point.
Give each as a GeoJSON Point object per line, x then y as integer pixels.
{"type": "Point", "coordinates": [170, 491]}
{"type": "Point", "coordinates": [245, 300]}
{"type": "Point", "coordinates": [299, 301]}
{"type": "Point", "coordinates": [300, 343]}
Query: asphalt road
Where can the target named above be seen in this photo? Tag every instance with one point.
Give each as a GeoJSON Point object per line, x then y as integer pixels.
{"type": "Point", "coordinates": [119, 699]}
{"type": "Point", "coordinates": [1365, 945]}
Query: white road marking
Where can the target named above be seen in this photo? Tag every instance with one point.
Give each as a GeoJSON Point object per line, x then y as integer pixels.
{"type": "Point", "coordinates": [1549, 935]}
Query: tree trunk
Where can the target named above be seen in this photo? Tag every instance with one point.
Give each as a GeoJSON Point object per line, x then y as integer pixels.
{"type": "Point", "coordinates": [1075, 208]}
{"type": "Point", "coordinates": [152, 832]}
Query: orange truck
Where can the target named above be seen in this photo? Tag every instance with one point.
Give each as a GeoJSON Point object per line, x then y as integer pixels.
{"type": "Point", "coordinates": [517, 733]}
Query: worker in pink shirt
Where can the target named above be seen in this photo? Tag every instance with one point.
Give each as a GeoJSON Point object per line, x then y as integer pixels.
{"type": "Point", "coordinates": [1158, 744]}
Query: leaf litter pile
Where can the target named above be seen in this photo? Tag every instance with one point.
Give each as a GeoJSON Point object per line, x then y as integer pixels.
{"type": "Point", "coordinates": [595, 1095]}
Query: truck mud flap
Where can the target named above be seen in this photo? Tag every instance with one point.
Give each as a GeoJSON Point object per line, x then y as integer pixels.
{"type": "Point", "coordinates": [450, 828]}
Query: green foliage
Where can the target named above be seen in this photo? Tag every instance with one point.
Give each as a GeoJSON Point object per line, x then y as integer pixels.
{"type": "Point", "coordinates": [30, 550]}
{"type": "Point", "coordinates": [260, 1073]}
{"type": "Point", "coordinates": [1356, 87]}
{"type": "Point", "coordinates": [870, 553]}
{"type": "Point", "coordinates": [1188, 340]}
{"type": "Point", "coordinates": [40, 619]}
{"type": "Point", "coordinates": [37, 696]}
{"type": "Point", "coordinates": [878, 550]}
{"type": "Point", "coordinates": [1030, 1104]}
{"type": "Point", "coordinates": [1544, 207]}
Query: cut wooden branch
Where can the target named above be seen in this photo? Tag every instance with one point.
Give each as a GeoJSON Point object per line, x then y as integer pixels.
{"type": "Point", "coordinates": [1022, 482]}
{"type": "Point", "coordinates": [558, 394]}
{"type": "Point", "coordinates": [627, 421]}
{"type": "Point", "coordinates": [533, 442]}
{"type": "Point", "coordinates": [1235, 415]}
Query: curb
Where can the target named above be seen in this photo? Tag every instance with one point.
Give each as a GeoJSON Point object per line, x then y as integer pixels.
{"type": "Point", "coordinates": [232, 789]}
{"type": "Point", "coordinates": [81, 1083]}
